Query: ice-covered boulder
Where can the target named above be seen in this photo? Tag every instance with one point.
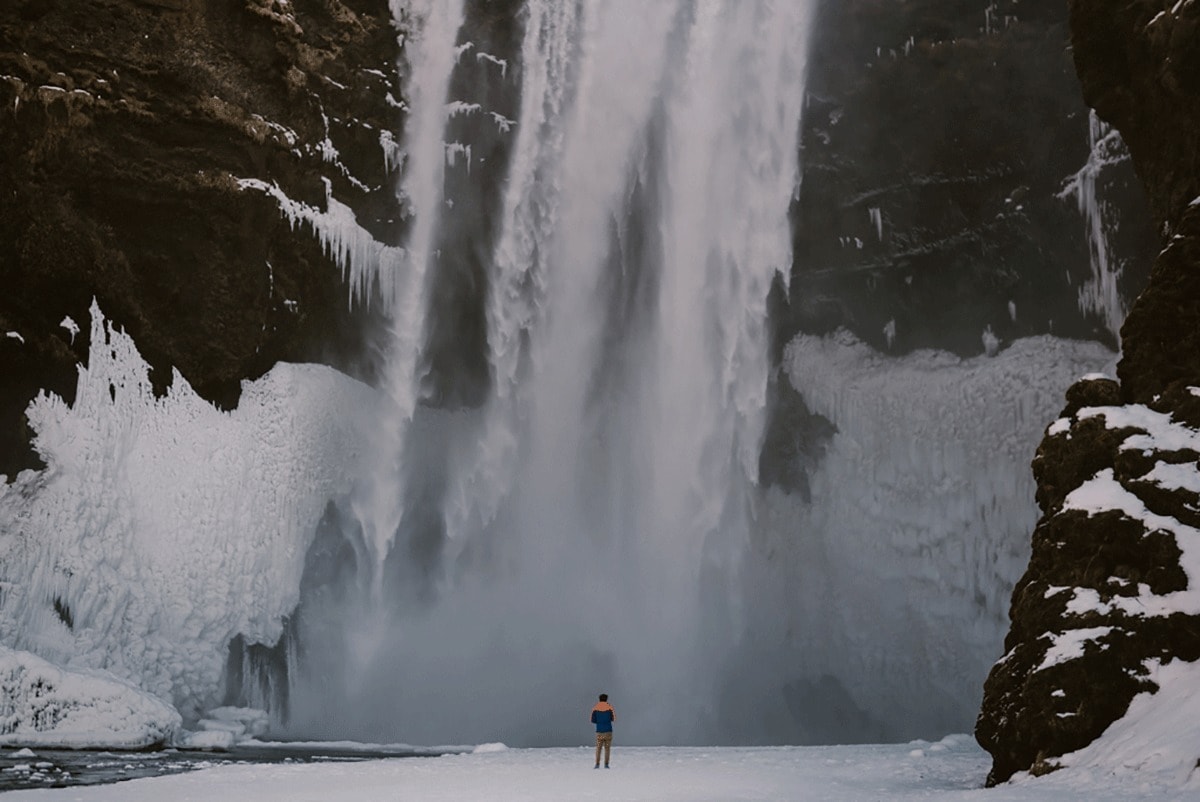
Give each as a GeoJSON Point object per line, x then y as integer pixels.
{"type": "Point", "coordinates": [47, 706]}
{"type": "Point", "coordinates": [208, 740]}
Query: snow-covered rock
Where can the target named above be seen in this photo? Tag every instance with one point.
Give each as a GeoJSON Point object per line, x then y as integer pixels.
{"type": "Point", "coordinates": [47, 706]}
{"type": "Point", "coordinates": [1106, 619]}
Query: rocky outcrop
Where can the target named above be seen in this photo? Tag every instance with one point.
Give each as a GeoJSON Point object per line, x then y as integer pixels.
{"type": "Point", "coordinates": [1113, 585]}
{"type": "Point", "coordinates": [124, 126]}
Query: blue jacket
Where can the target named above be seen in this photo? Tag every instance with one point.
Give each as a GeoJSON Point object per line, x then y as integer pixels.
{"type": "Point", "coordinates": [603, 716]}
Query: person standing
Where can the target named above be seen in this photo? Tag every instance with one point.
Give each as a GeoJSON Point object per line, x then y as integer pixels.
{"type": "Point", "coordinates": [603, 717]}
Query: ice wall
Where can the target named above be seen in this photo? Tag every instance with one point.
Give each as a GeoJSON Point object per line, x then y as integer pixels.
{"type": "Point", "coordinates": [876, 610]}
{"type": "Point", "coordinates": [162, 527]}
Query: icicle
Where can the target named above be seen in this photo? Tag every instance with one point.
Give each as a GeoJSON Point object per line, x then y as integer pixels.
{"type": "Point", "coordinates": [1100, 294]}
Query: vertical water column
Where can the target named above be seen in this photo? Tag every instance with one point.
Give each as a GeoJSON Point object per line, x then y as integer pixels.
{"type": "Point", "coordinates": [431, 29]}
{"type": "Point", "coordinates": [731, 172]}
{"type": "Point", "coordinates": [518, 275]}
{"type": "Point", "coordinates": [645, 217]}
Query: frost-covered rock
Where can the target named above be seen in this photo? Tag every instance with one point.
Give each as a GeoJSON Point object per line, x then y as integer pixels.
{"type": "Point", "coordinates": [902, 565]}
{"type": "Point", "coordinates": [210, 278]}
{"type": "Point", "coordinates": [47, 706]}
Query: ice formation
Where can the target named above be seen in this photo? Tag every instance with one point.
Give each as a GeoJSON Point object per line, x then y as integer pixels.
{"type": "Point", "coordinates": [46, 706]}
{"type": "Point", "coordinates": [1100, 294]}
{"type": "Point", "coordinates": [893, 583]}
{"type": "Point", "coordinates": [163, 527]}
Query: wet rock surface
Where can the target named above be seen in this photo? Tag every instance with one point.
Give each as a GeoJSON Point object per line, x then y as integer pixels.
{"type": "Point", "coordinates": [1117, 474]}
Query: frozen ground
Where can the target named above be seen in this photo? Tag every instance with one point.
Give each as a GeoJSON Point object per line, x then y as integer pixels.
{"type": "Point", "coordinates": [952, 769]}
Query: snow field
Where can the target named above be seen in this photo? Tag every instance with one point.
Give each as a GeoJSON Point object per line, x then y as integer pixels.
{"type": "Point", "coordinates": [950, 769]}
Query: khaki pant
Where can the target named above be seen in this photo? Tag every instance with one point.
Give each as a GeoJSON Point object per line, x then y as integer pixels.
{"type": "Point", "coordinates": [603, 739]}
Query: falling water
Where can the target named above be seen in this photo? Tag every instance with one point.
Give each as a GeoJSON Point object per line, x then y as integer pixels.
{"type": "Point", "coordinates": [596, 505]}
{"type": "Point", "coordinates": [432, 26]}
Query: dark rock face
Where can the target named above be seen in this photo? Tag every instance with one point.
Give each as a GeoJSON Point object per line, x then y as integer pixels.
{"type": "Point", "coordinates": [1139, 65]}
{"type": "Point", "coordinates": [124, 126]}
{"type": "Point", "coordinates": [1106, 553]}
{"type": "Point", "coordinates": [937, 142]}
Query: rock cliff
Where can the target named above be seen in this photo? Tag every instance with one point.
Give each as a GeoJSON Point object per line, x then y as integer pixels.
{"type": "Point", "coordinates": [1111, 589]}
{"type": "Point", "coordinates": [125, 125]}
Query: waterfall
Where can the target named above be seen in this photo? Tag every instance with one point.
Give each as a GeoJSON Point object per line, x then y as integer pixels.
{"type": "Point", "coordinates": [595, 505]}
{"type": "Point", "coordinates": [432, 27]}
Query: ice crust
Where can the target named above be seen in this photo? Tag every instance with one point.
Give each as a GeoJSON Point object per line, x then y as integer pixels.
{"type": "Point", "coordinates": [895, 580]}
{"type": "Point", "coordinates": [45, 706]}
{"type": "Point", "coordinates": [163, 527]}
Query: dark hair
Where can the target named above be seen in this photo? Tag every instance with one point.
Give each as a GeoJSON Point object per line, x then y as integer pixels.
{"type": "Point", "coordinates": [604, 697]}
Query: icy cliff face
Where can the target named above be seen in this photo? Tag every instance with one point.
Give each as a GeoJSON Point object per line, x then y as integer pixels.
{"type": "Point", "coordinates": [163, 527]}
{"type": "Point", "coordinates": [937, 144]}
{"type": "Point", "coordinates": [122, 127]}
{"type": "Point", "coordinates": [888, 589]}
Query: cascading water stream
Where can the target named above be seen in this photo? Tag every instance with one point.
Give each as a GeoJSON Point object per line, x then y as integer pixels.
{"type": "Point", "coordinates": [432, 27]}
{"type": "Point", "coordinates": [593, 521]}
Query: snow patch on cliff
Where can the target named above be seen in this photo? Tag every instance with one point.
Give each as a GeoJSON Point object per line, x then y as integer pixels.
{"type": "Point", "coordinates": [163, 527]}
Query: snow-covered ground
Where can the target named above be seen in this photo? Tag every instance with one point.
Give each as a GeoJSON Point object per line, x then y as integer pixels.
{"type": "Point", "coordinates": [951, 769]}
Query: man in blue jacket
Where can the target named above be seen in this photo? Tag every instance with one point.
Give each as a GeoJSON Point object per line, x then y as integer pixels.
{"type": "Point", "coordinates": [603, 717]}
